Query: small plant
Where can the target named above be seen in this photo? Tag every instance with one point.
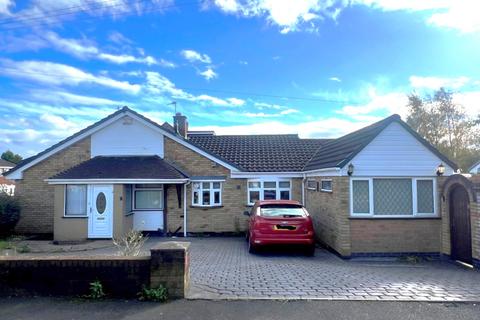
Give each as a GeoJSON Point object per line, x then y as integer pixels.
{"type": "Point", "coordinates": [96, 291]}
{"type": "Point", "coordinates": [24, 248]}
{"type": "Point", "coordinates": [130, 244]}
{"type": "Point", "coordinates": [411, 259]}
{"type": "Point", "coordinates": [159, 294]}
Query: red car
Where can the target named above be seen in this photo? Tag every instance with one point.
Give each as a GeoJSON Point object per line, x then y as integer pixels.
{"type": "Point", "coordinates": [275, 222]}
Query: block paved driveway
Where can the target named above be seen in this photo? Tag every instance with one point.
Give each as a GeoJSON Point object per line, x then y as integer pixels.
{"type": "Point", "coordinates": [222, 268]}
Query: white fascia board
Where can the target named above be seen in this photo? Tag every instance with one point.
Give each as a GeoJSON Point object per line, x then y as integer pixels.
{"type": "Point", "coordinates": [183, 143]}
{"type": "Point", "coordinates": [17, 175]}
{"type": "Point", "coordinates": [116, 181]}
{"type": "Point", "coordinates": [260, 175]}
{"type": "Point", "coordinates": [324, 172]}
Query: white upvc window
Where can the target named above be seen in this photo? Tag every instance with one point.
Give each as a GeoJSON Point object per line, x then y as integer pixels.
{"type": "Point", "coordinates": [207, 193]}
{"type": "Point", "coordinates": [326, 185]}
{"type": "Point", "coordinates": [312, 185]}
{"type": "Point", "coordinates": [148, 197]}
{"type": "Point", "coordinates": [269, 189]}
{"type": "Point", "coordinates": [395, 197]}
{"type": "Point", "coordinates": [75, 200]}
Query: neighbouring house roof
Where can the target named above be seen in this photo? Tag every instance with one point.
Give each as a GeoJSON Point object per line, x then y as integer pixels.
{"type": "Point", "coordinates": [5, 181]}
{"type": "Point", "coordinates": [123, 167]}
{"type": "Point", "coordinates": [338, 152]}
{"type": "Point", "coordinates": [5, 163]}
{"type": "Point", "coordinates": [262, 153]}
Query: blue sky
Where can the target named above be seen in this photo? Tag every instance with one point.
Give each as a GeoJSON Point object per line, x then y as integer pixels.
{"type": "Point", "coordinates": [316, 68]}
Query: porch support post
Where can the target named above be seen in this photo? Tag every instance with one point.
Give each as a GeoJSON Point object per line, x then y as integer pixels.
{"type": "Point", "coordinates": [185, 210]}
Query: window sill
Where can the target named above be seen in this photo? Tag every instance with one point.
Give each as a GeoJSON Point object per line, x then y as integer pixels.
{"type": "Point", "coordinates": [326, 191]}
{"type": "Point", "coordinates": [75, 217]}
{"type": "Point", "coordinates": [397, 218]}
{"type": "Point", "coordinates": [207, 207]}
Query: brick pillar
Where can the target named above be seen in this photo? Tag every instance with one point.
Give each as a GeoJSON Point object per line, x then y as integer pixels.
{"type": "Point", "coordinates": [169, 266]}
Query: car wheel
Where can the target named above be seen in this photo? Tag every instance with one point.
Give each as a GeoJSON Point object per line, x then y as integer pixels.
{"type": "Point", "coordinates": [310, 251]}
{"type": "Point", "coordinates": [251, 247]}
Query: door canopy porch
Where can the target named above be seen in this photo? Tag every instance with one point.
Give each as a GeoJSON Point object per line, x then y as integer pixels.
{"type": "Point", "coordinates": [122, 169]}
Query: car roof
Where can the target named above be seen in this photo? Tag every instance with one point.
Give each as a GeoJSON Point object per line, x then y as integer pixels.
{"type": "Point", "coordinates": [264, 202]}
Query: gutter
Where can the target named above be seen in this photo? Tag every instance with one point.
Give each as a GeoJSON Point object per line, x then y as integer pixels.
{"type": "Point", "coordinates": [303, 190]}
{"type": "Point", "coordinates": [185, 208]}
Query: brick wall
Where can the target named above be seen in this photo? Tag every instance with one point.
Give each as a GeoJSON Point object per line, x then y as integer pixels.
{"type": "Point", "coordinates": [36, 196]}
{"type": "Point", "coordinates": [121, 277]}
{"type": "Point", "coordinates": [227, 218]}
{"type": "Point", "coordinates": [395, 236]}
{"type": "Point", "coordinates": [330, 213]}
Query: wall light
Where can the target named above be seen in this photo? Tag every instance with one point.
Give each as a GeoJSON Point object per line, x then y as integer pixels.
{"type": "Point", "coordinates": [440, 169]}
{"type": "Point", "coordinates": [350, 169]}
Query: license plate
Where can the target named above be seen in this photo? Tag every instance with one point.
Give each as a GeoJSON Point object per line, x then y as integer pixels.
{"type": "Point", "coordinates": [283, 227]}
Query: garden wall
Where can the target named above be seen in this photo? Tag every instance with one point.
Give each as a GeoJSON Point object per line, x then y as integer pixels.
{"type": "Point", "coordinates": [121, 277]}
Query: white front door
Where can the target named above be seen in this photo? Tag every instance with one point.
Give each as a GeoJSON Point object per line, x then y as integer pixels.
{"type": "Point", "coordinates": [100, 219]}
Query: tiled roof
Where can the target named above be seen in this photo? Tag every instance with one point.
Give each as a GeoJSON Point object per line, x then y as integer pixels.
{"type": "Point", "coordinates": [262, 153]}
{"type": "Point", "coordinates": [338, 152]}
{"type": "Point", "coordinates": [5, 163]}
{"type": "Point", "coordinates": [121, 167]}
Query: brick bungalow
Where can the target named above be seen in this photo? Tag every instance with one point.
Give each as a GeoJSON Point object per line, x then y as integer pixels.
{"type": "Point", "coordinates": [374, 191]}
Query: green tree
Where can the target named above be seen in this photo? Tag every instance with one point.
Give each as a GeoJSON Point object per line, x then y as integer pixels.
{"type": "Point", "coordinates": [445, 125]}
{"type": "Point", "coordinates": [12, 157]}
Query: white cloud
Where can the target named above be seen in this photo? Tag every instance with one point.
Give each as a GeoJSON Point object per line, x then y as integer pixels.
{"type": "Point", "coordinates": [335, 79]}
{"type": "Point", "coordinates": [118, 38]}
{"type": "Point", "coordinates": [236, 102]}
{"type": "Point", "coordinates": [5, 7]}
{"type": "Point", "coordinates": [57, 122]}
{"type": "Point", "coordinates": [306, 14]}
{"type": "Point", "coordinates": [194, 56]}
{"type": "Point", "coordinates": [67, 98]}
{"type": "Point", "coordinates": [158, 84]}
{"type": "Point", "coordinates": [288, 15]}
{"type": "Point", "coordinates": [208, 74]}
{"type": "Point", "coordinates": [289, 111]}
{"type": "Point", "coordinates": [456, 14]}
{"type": "Point", "coordinates": [60, 74]}
{"type": "Point", "coordinates": [321, 128]}
{"type": "Point", "coordinates": [393, 102]}
{"type": "Point", "coordinates": [435, 83]}
{"type": "Point", "coordinates": [86, 49]}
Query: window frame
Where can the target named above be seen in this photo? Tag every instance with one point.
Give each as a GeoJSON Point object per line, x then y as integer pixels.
{"type": "Point", "coordinates": [261, 189]}
{"type": "Point", "coordinates": [134, 199]}
{"type": "Point", "coordinates": [65, 199]}
{"type": "Point", "coordinates": [326, 190]}
{"type": "Point", "coordinates": [312, 181]}
{"type": "Point", "coordinates": [415, 213]}
{"type": "Point", "coordinates": [212, 193]}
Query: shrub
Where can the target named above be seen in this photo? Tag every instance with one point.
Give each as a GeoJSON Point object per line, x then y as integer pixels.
{"type": "Point", "coordinates": [9, 213]}
{"type": "Point", "coordinates": [159, 294]}
{"type": "Point", "coordinates": [96, 290]}
{"type": "Point", "coordinates": [130, 244]}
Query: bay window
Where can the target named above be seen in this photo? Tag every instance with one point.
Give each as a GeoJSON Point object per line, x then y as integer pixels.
{"type": "Point", "coordinates": [268, 190]}
{"type": "Point", "coordinates": [148, 197]}
{"type": "Point", "coordinates": [75, 200]}
{"type": "Point", "coordinates": [207, 193]}
{"type": "Point", "coordinates": [392, 197]}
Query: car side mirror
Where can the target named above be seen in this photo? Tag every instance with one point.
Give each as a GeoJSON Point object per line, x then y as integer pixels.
{"type": "Point", "coordinates": [246, 213]}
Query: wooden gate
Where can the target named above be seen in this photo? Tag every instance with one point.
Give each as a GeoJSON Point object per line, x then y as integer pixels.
{"type": "Point", "coordinates": [460, 230]}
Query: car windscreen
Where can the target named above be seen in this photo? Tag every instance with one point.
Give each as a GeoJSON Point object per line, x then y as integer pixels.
{"type": "Point", "coordinates": [282, 211]}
